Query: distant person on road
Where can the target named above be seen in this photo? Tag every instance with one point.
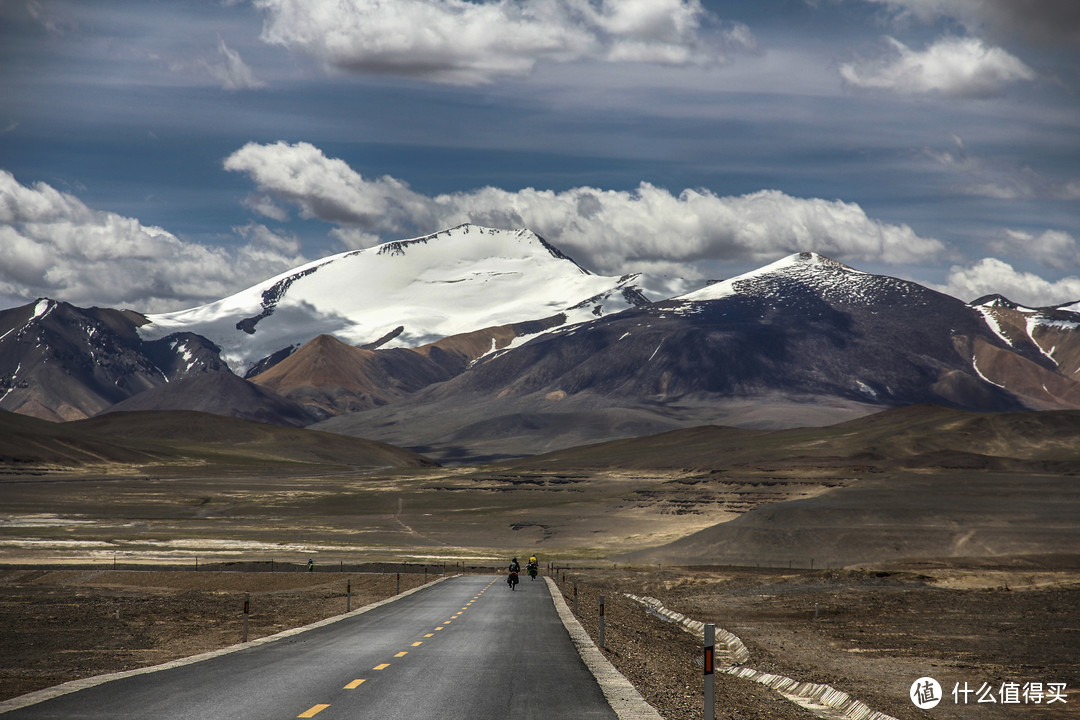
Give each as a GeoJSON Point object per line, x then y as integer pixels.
{"type": "Point", "coordinates": [532, 560]}
{"type": "Point", "coordinates": [310, 565]}
{"type": "Point", "coordinates": [512, 577]}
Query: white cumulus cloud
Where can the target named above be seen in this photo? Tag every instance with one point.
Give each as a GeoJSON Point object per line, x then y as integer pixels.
{"type": "Point", "coordinates": [991, 275]}
{"type": "Point", "coordinates": [52, 244]}
{"type": "Point", "coordinates": [472, 42]}
{"type": "Point", "coordinates": [952, 66]}
{"type": "Point", "coordinates": [649, 228]}
{"type": "Point", "coordinates": [322, 187]}
{"type": "Point", "coordinates": [1050, 248]}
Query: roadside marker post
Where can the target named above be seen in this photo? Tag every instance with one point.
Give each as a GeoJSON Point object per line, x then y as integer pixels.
{"type": "Point", "coordinates": [575, 599]}
{"type": "Point", "coordinates": [602, 646]}
{"type": "Point", "coordinates": [710, 679]}
{"type": "Point", "coordinates": [247, 611]}
{"type": "Point", "coordinates": [398, 584]}
{"type": "Point", "coordinates": [348, 595]}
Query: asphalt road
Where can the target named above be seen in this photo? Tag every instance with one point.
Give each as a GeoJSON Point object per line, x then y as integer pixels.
{"type": "Point", "coordinates": [468, 647]}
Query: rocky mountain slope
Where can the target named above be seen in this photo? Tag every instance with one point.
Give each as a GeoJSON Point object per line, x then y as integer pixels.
{"type": "Point", "coordinates": [60, 362]}
{"type": "Point", "coordinates": [219, 393]}
{"type": "Point", "coordinates": [803, 332]}
{"type": "Point", "coordinates": [329, 377]}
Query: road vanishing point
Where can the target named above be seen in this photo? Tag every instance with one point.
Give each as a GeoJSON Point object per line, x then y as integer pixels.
{"type": "Point", "coordinates": [466, 647]}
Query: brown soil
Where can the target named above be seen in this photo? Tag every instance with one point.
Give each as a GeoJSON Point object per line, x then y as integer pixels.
{"type": "Point", "coordinates": [61, 625]}
{"type": "Point", "coordinates": [874, 634]}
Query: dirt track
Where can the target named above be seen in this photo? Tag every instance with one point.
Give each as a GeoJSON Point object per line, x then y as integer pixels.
{"type": "Point", "coordinates": [876, 631]}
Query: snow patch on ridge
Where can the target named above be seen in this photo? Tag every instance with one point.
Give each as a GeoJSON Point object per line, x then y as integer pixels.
{"type": "Point", "coordinates": [993, 324]}
{"type": "Point", "coordinates": [1034, 321]}
{"type": "Point", "coordinates": [43, 307]}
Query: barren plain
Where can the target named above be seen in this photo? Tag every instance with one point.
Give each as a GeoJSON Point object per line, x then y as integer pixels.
{"type": "Point", "coordinates": [864, 556]}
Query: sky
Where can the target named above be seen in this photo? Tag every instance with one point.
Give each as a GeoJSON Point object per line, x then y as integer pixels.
{"type": "Point", "coordinates": [161, 154]}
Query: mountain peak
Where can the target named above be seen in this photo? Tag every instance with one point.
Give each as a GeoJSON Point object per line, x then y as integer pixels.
{"type": "Point", "coordinates": [995, 300]}
{"type": "Point", "coordinates": [518, 241]}
{"type": "Point", "coordinates": [805, 268]}
{"type": "Point", "coordinates": [805, 260]}
{"type": "Point", "coordinates": [408, 292]}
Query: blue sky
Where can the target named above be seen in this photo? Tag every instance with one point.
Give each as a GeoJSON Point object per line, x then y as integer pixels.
{"type": "Point", "coordinates": [161, 154]}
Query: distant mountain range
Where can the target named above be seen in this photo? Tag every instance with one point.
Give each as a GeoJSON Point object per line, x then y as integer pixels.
{"type": "Point", "coordinates": [804, 341]}
{"type": "Point", "coordinates": [476, 343]}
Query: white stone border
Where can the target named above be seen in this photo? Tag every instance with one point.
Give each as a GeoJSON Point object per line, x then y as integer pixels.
{"type": "Point", "coordinates": [84, 683]}
{"type": "Point", "coordinates": [824, 701]}
{"type": "Point", "coordinates": [623, 697]}
{"type": "Point", "coordinates": [734, 651]}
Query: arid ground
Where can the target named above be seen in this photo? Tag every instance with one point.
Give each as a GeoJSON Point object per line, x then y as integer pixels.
{"type": "Point", "coordinates": [867, 555]}
{"type": "Point", "coordinates": [869, 632]}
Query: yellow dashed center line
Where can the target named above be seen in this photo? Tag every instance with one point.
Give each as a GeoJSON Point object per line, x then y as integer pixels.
{"type": "Point", "coordinates": [316, 709]}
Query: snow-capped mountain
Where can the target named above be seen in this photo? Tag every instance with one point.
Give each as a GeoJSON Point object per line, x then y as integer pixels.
{"type": "Point", "coordinates": [477, 335]}
{"type": "Point", "coordinates": [800, 341]}
{"type": "Point", "coordinates": [404, 294]}
{"type": "Point", "coordinates": [60, 362]}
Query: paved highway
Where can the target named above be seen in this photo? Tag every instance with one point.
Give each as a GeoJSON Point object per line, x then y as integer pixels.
{"type": "Point", "coordinates": [467, 647]}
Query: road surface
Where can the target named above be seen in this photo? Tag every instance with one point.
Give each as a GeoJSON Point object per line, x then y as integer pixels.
{"type": "Point", "coordinates": [467, 647]}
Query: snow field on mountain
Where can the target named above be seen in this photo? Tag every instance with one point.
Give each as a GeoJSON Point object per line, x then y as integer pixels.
{"type": "Point", "coordinates": [455, 281]}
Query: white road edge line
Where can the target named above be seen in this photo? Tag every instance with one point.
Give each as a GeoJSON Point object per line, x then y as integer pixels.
{"type": "Point", "coordinates": [623, 697]}
{"type": "Point", "coordinates": [82, 684]}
